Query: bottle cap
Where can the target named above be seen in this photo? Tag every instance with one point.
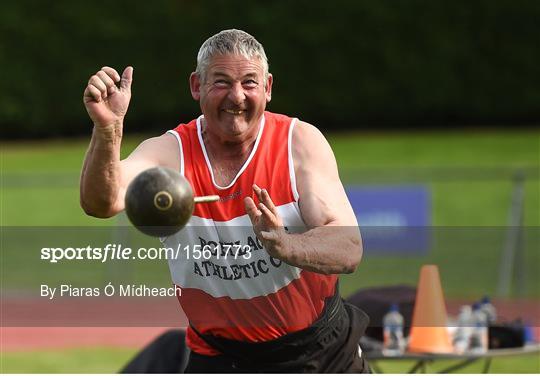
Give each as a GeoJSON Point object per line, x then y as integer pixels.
{"type": "Point", "coordinates": [394, 308]}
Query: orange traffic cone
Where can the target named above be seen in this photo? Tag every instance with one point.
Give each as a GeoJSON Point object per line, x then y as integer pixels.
{"type": "Point", "coordinates": [429, 333]}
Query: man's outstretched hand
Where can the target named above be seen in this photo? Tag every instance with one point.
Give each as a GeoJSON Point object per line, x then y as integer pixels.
{"type": "Point", "coordinates": [107, 96]}
{"type": "Point", "coordinates": [267, 223]}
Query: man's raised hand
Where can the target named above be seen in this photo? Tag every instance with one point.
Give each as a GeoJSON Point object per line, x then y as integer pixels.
{"type": "Point", "coordinates": [107, 103]}
{"type": "Point", "coordinates": [267, 223]}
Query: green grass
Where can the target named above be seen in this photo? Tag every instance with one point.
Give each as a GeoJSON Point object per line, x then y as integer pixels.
{"type": "Point", "coordinates": [443, 149]}
{"type": "Point", "coordinates": [111, 360]}
{"type": "Point", "coordinates": [40, 183]}
{"type": "Point", "coordinates": [510, 365]}
{"type": "Point", "coordinates": [78, 360]}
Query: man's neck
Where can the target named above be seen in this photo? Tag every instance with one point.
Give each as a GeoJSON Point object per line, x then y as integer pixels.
{"type": "Point", "coordinates": [226, 155]}
{"type": "Point", "coordinates": [231, 149]}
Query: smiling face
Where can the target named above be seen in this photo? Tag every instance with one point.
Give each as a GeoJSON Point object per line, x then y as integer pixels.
{"type": "Point", "coordinates": [232, 96]}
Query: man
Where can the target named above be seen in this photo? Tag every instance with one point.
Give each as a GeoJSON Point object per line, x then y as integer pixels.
{"type": "Point", "coordinates": [267, 298]}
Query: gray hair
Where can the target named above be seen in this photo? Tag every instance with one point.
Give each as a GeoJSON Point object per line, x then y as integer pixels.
{"type": "Point", "coordinates": [230, 42]}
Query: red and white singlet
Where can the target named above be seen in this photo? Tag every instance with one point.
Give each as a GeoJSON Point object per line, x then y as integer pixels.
{"type": "Point", "coordinates": [251, 297]}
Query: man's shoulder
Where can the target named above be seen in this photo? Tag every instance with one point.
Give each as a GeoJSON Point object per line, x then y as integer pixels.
{"type": "Point", "coordinates": [307, 139]}
{"type": "Point", "coordinates": [304, 133]}
{"type": "Point", "coordinates": [303, 125]}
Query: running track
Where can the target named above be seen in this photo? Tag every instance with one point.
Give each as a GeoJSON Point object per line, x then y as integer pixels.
{"type": "Point", "coordinates": [128, 323]}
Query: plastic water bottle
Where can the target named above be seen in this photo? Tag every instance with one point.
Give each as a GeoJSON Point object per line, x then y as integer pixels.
{"type": "Point", "coordinates": [479, 337]}
{"type": "Point", "coordinates": [489, 310]}
{"type": "Point", "coordinates": [394, 343]}
{"type": "Point", "coordinates": [462, 336]}
{"type": "Point", "coordinates": [528, 334]}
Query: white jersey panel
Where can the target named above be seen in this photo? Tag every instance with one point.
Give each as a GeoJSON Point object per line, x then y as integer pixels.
{"type": "Point", "coordinates": [235, 263]}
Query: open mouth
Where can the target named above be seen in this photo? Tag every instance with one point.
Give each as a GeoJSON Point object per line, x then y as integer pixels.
{"type": "Point", "coordinates": [234, 112]}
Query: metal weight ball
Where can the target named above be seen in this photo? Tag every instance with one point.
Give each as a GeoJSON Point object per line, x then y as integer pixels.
{"type": "Point", "coordinates": [159, 201]}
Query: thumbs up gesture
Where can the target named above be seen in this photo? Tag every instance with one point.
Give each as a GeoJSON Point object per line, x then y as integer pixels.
{"type": "Point", "coordinates": [107, 96]}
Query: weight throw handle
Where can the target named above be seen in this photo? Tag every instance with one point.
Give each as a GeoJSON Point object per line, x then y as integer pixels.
{"type": "Point", "coordinates": [202, 199]}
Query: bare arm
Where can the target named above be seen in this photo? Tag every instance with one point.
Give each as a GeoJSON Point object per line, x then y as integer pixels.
{"type": "Point", "coordinates": [104, 177]}
{"type": "Point", "coordinates": [332, 244]}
